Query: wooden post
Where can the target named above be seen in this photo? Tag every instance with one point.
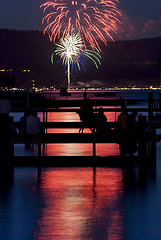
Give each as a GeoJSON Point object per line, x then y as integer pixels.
{"type": "Point", "coordinates": [153, 144]}
{"type": "Point", "coordinates": [43, 116]}
{"type": "Point", "coordinates": [94, 149]}
{"type": "Point", "coordinates": [44, 130]}
{"type": "Point", "coordinates": [142, 138]}
{"type": "Point", "coordinates": [94, 142]}
{"type": "Point", "coordinates": [46, 121]}
{"type": "Point", "coordinates": [28, 100]}
{"type": "Point", "coordinates": [39, 149]}
{"type": "Point", "coordinates": [6, 148]}
{"type": "Point", "coordinates": [159, 101]}
{"type": "Point", "coordinates": [156, 105]}
{"type": "Point", "coordinates": [152, 147]}
{"type": "Point", "coordinates": [150, 106]}
{"type": "Point", "coordinates": [123, 103]}
{"type": "Point", "coordinates": [150, 118]}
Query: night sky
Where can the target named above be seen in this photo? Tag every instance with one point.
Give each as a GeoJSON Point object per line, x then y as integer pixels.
{"type": "Point", "coordinates": [140, 18]}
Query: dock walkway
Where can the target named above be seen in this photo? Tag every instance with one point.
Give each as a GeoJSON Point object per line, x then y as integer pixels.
{"type": "Point", "coordinates": [146, 145]}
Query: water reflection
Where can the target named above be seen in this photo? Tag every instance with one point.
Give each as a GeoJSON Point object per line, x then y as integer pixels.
{"type": "Point", "coordinates": [70, 149]}
{"type": "Point", "coordinates": [87, 203]}
{"type": "Point", "coordinates": [65, 149]}
{"type": "Point", "coordinates": [73, 116]}
{"type": "Point", "coordinates": [80, 204]}
{"type": "Point", "coordinates": [76, 203]}
{"type": "Point", "coordinates": [6, 182]}
{"type": "Point", "coordinates": [138, 177]}
{"type": "Point", "coordinates": [77, 149]}
{"type": "Point", "coordinates": [140, 198]}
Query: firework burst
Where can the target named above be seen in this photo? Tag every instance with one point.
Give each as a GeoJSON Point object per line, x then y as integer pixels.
{"type": "Point", "coordinates": [94, 19]}
{"type": "Point", "coordinates": [74, 55]}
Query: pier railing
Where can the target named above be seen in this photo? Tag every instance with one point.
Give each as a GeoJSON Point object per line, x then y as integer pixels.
{"type": "Point", "coordinates": [147, 134]}
{"type": "Point", "coordinates": [146, 138]}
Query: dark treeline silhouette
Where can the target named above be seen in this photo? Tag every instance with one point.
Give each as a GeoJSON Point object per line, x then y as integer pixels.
{"type": "Point", "coordinates": [124, 63]}
{"type": "Point", "coordinates": [28, 50]}
{"type": "Point", "coordinates": [133, 62]}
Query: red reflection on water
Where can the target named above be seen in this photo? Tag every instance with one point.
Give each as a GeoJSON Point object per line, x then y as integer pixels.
{"type": "Point", "coordinates": [63, 117]}
{"type": "Point", "coordinates": [78, 149]}
{"type": "Point", "coordinates": [80, 204]}
{"type": "Point", "coordinates": [65, 149]}
{"type": "Point", "coordinates": [74, 117]}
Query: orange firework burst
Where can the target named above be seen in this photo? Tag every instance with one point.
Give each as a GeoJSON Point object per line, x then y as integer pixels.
{"type": "Point", "coordinates": [94, 19]}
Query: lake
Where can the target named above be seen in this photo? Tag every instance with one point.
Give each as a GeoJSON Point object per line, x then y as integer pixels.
{"type": "Point", "coordinates": [80, 203]}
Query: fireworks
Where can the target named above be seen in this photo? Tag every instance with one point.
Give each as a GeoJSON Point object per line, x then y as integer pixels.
{"type": "Point", "coordinates": [95, 19]}
{"type": "Point", "coordinates": [73, 53]}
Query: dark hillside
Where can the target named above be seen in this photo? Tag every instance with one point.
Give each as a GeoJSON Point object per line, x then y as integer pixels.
{"type": "Point", "coordinates": [25, 56]}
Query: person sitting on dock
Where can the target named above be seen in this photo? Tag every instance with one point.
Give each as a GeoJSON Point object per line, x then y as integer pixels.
{"type": "Point", "coordinates": [33, 123]}
{"type": "Point", "coordinates": [86, 114]}
{"type": "Point", "coordinates": [101, 122]}
{"type": "Point", "coordinates": [23, 122]}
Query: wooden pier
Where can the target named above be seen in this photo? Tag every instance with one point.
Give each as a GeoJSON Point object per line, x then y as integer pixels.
{"type": "Point", "coordinates": [146, 144]}
{"type": "Point", "coordinates": [144, 156]}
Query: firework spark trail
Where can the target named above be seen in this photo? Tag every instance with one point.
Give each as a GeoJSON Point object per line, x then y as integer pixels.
{"type": "Point", "coordinates": [72, 52]}
{"type": "Point", "coordinates": [95, 19]}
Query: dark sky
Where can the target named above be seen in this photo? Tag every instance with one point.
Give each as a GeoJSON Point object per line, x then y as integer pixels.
{"type": "Point", "coordinates": [140, 18]}
{"type": "Point", "coordinates": [142, 8]}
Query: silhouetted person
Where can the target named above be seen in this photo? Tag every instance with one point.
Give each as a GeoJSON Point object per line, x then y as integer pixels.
{"type": "Point", "coordinates": [86, 114]}
{"type": "Point", "coordinates": [33, 123]}
{"type": "Point", "coordinates": [101, 122]}
{"type": "Point", "coordinates": [23, 122]}
{"type": "Point", "coordinates": [132, 133]}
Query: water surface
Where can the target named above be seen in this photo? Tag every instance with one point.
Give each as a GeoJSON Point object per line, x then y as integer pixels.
{"type": "Point", "coordinates": [80, 203]}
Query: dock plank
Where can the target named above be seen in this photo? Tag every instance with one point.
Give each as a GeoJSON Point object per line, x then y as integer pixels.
{"type": "Point", "coordinates": [77, 161]}
{"type": "Point", "coordinates": [63, 138]}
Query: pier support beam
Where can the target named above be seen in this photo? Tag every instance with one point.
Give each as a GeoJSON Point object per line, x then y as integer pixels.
{"type": "Point", "coordinates": [153, 144]}
{"type": "Point", "coordinates": [6, 149]}
{"type": "Point", "coordinates": [142, 137]}
{"type": "Point", "coordinates": [152, 147]}
{"type": "Point", "coordinates": [150, 106]}
{"type": "Point", "coordinates": [94, 141]}
{"type": "Point", "coordinates": [39, 150]}
{"type": "Point", "coordinates": [94, 149]}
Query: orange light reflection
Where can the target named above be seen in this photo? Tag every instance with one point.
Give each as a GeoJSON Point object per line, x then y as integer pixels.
{"type": "Point", "coordinates": [78, 149]}
{"type": "Point", "coordinates": [70, 149]}
{"type": "Point", "coordinates": [78, 203]}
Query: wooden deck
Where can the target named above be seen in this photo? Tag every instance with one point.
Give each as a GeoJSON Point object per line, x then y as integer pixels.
{"type": "Point", "coordinates": [74, 161]}
{"type": "Point", "coordinates": [64, 138]}
{"type": "Point", "coordinates": [147, 145]}
{"type": "Point", "coordinates": [80, 161]}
